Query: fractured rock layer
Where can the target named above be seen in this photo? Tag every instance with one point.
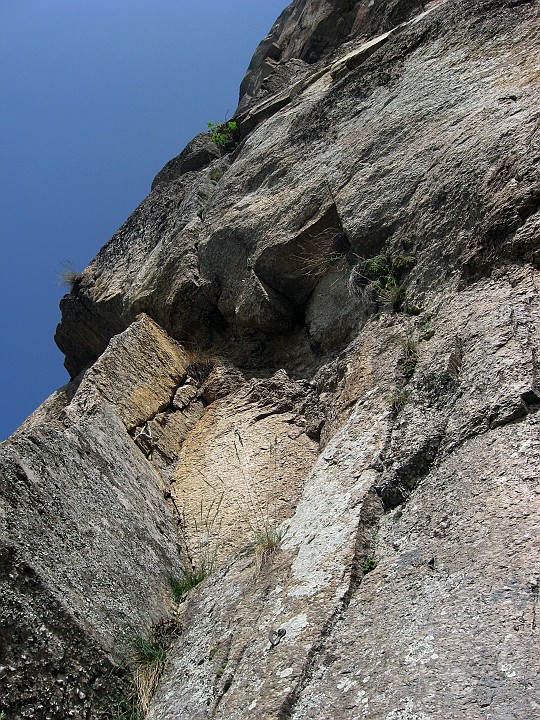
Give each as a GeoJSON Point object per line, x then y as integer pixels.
{"type": "Point", "coordinates": [87, 539]}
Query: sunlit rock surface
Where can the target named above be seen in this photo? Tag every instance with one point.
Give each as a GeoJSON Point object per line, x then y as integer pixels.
{"type": "Point", "coordinates": [310, 364]}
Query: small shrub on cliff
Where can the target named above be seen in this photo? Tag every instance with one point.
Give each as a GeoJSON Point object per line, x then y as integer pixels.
{"type": "Point", "coordinates": [215, 175]}
{"type": "Point", "coordinates": [379, 279]}
{"type": "Point", "coordinates": [224, 135]}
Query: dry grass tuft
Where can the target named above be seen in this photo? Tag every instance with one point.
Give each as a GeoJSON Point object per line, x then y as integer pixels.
{"type": "Point", "coordinates": [148, 659]}
{"type": "Point", "coordinates": [69, 278]}
{"type": "Point", "coordinates": [266, 541]}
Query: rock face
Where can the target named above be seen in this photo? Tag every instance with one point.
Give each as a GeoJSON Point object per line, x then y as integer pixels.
{"type": "Point", "coordinates": [310, 365]}
{"type": "Point", "coordinates": [87, 539]}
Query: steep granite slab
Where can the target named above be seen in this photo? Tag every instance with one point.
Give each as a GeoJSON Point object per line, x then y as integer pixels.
{"type": "Point", "coordinates": [223, 665]}
{"type": "Point", "coordinates": [431, 140]}
{"type": "Point", "coordinates": [445, 625]}
{"type": "Point", "coordinates": [404, 585]}
{"type": "Point", "coordinates": [88, 541]}
{"type": "Point", "coordinates": [407, 580]}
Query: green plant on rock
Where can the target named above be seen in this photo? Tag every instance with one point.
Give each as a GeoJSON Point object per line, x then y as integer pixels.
{"type": "Point", "coordinates": [148, 660]}
{"type": "Point", "coordinates": [224, 135]}
{"type": "Point", "coordinates": [377, 266]}
{"type": "Point", "coordinates": [410, 347]}
{"type": "Point", "coordinates": [369, 564]}
{"type": "Point", "coordinates": [379, 279]}
{"type": "Point", "coordinates": [201, 534]}
{"type": "Point", "coordinates": [425, 328]}
{"type": "Point", "coordinates": [190, 579]}
{"type": "Point", "coordinates": [408, 367]}
{"type": "Point", "coordinates": [128, 709]}
{"type": "Point", "coordinates": [388, 293]}
{"type": "Point", "coordinates": [215, 175]}
{"type": "Point", "coordinates": [399, 399]}
{"type": "Point", "coordinates": [403, 262]}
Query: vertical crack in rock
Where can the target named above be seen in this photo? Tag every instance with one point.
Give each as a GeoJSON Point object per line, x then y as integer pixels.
{"type": "Point", "coordinates": [535, 591]}
{"type": "Point", "coordinates": [380, 499]}
{"type": "Point", "coordinates": [226, 673]}
{"type": "Point", "coordinates": [371, 511]}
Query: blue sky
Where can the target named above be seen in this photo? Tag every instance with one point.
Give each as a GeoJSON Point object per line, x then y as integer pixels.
{"type": "Point", "coordinates": [96, 96]}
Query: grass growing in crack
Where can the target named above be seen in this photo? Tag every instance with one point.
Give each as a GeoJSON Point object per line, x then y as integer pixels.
{"type": "Point", "coordinates": [266, 540]}
{"type": "Point", "coordinates": [202, 538]}
{"type": "Point", "coordinates": [398, 400]}
{"type": "Point", "coordinates": [369, 564]}
{"type": "Point", "coordinates": [148, 658]}
{"type": "Point", "coordinates": [320, 252]}
{"type": "Point", "coordinates": [266, 535]}
{"type": "Point", "coordinates": [190, 579]}
{"type": "Point", "coordinates": [199, 371]}
{"type": "Point", "coordinates": [410, 347]}
{"type": "Point", "coordinates": [128, 709]}
{"type": "Point", "coordinates": [69, 278]}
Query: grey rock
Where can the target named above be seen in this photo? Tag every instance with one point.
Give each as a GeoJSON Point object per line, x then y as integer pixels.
{"type": "Point", "coordinates": [401, 149]}
{"type": "Point", "coordinates": [197, 154]}
{"type": "Point", "coordinates": [248, 456]}
{"type": "Point", "coordinates": [311, 31]}
{"type": "Point", "coordinates": [389, 450]}
{"type": "Point", "coordinates": [184, 395]}
{"type": "Point", "coordinates": [87, 540]}
{"type": "Point", "coordinates": [444, 625]}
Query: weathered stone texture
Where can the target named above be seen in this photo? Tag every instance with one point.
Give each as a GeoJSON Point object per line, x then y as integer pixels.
{"type": "Point", "coordinates": [430, 140]}
{"type": "Point", "coordinates": [389, 440]}
{"type": "Point", "coordinates": [445, 497]}
{"type": "Point", "coordinates": [243, 467]}
{"type": "Point", "coordinates": [87, 539]}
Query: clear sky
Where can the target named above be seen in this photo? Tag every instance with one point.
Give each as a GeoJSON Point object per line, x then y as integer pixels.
{"type": "Point", "coordinates": [95, 97]}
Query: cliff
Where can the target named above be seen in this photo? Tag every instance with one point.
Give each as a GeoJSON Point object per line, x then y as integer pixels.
{"type": "Point", "coordinates": [304, 371]}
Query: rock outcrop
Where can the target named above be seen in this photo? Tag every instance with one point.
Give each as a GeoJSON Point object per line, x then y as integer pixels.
{"type": "Point", "coordinates": [308, 363]}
